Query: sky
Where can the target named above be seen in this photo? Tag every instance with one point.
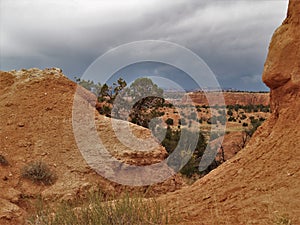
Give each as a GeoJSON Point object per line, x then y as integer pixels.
{"type": "Point", "coordinates": [231, 38]}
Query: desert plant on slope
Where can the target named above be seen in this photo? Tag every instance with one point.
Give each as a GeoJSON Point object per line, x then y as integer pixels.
{"type": "Point", "coordinates": [170, 121]}
{"type": "Point", "coordinates": [96, 210]}
{"type": "Point", "coordinates": [38, 172]}
{"type": "Point", "coordinates": [3, 161]}
{"type": "Point", "coordinates": [282, 220]}
{"type": "Point", "coordinates": [173, 140]}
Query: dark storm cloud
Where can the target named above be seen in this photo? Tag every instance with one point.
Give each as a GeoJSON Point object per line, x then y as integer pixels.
{"type": "Point", "coordinates": [231, 36]}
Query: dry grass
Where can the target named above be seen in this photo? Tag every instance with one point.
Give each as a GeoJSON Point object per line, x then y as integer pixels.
{"type": "Point", "coordinates": [97, 210]}
{"type": "Point", "coordinates": [38, 172]}
{"type": "Point", "coordinates": [282, 219]}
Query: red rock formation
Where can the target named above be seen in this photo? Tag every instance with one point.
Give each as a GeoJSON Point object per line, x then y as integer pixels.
{"type": "Point", "coordinates": [36, 124]}
{"type": "Point", "coordinates": [261, 183]}
{"type": "Point", "coordinates": [233, 98]}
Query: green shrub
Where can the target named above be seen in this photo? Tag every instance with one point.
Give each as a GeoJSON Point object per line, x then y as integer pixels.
{"type": "Point", "coordinates": [168, 105]}
{"type": "Point", "coordinates": [169, 121]}
{"type": "Point", "coordinates": [230, 119]}
{"type": "Point", "coordinates": [38, 172]}
{"type": "Point", "coordinates": [261, 119]}
{"type": "Point", "coordinates": [243, 117]}
{"type": "Point", "coordinates": [265, 109]}
{"type": "Point", "coordinates": [237, 107]}
{"type": "Point", "coordinates": [183, 154]}
{"type": "Point", "coordinates": [229, 112]}
{"type": "Point", "coordinates": [105, 110]}
{"type": "Point", "coordinates": [190, 168]}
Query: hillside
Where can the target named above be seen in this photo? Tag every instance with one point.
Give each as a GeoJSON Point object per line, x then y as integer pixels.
{"type": "Point", "coordinates": [36, 125]}
{"type": "Point", "coordinates": [261, 183]}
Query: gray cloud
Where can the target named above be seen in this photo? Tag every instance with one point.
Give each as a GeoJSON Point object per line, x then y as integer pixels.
{"type": "Point", "coordinates": [231, 36]}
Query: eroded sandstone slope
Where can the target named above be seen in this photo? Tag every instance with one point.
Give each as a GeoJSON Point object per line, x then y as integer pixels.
{"type": "Point", "coordinates": [36, 125]}
{"type": "Point", "coordinates": [262, 182]}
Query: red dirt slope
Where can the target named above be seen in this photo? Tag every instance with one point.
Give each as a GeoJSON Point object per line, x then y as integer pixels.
{"type": "Point", "coordinates": [262, 182]}
{"type": "Point", "coordinates": [36, 124]}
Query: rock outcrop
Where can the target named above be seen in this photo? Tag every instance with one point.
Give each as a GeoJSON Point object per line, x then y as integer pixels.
{"type": "Point", "coordinates": [260, 185]}
{"type": "Point", "coordinates": [233, 98]}
{"type": "Point", "coordinates": [282, 67]}
{"type": "Point", "coordinates": [36, 125]}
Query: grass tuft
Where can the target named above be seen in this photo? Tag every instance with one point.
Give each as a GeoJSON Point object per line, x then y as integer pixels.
{"type": "Point", "coordinates": [282, 220]}
{"type": "Point", "coordinates": [38, 172]}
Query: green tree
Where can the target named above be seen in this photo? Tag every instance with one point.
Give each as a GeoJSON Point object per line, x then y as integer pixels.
{"type": "Point", "coordinates": [89, 85]}
{"type": "Point", "coordinates": [169, 121]}
{"type": "Point", "coordinates": [147, 98]}
{"type": "Point", "coordinates": [109, 93]}
{"type": "Point", "coordinates": [104, 93]}
{"type": "Point", "coordinates": [142, 88]}
{"type": "Point", "coordinates": [174, 140]}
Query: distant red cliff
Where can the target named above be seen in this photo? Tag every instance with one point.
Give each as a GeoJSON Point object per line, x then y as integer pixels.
{"type": "Point", "coordinates": [232, 98]}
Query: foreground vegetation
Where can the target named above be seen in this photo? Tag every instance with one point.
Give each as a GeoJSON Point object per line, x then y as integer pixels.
{"type": "Point", "coordinates": [97, 210]}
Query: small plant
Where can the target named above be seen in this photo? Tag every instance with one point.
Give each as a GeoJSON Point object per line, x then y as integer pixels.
{"type": "Point", "coordinates": [282, 220]}
{"type": "Point", "coordinates": [169, 121]}
{"type": "Point", "coordinates": [39, 172]}
{"type": "Point", "coordinates": [3, 161]}
{"type": "Point", "coordinates": [245, 124]}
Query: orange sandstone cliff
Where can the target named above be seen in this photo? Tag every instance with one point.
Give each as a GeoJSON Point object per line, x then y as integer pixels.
{"type": "Point", "coordinates": [261, 184]}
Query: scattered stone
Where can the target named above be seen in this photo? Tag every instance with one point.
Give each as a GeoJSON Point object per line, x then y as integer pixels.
{"type": "Point", "coordinates": [24, 143]}
{"type": "Point", "coordinates": [12, 195]}
{"type": "Point", "coordinates": [49, 108]}
{"type": "Point", "coordinates": [21, 124]}
{"type": "Point", "coordinates": [9, 210]}
{"type": "Point", "coordinates": [8, 104]}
